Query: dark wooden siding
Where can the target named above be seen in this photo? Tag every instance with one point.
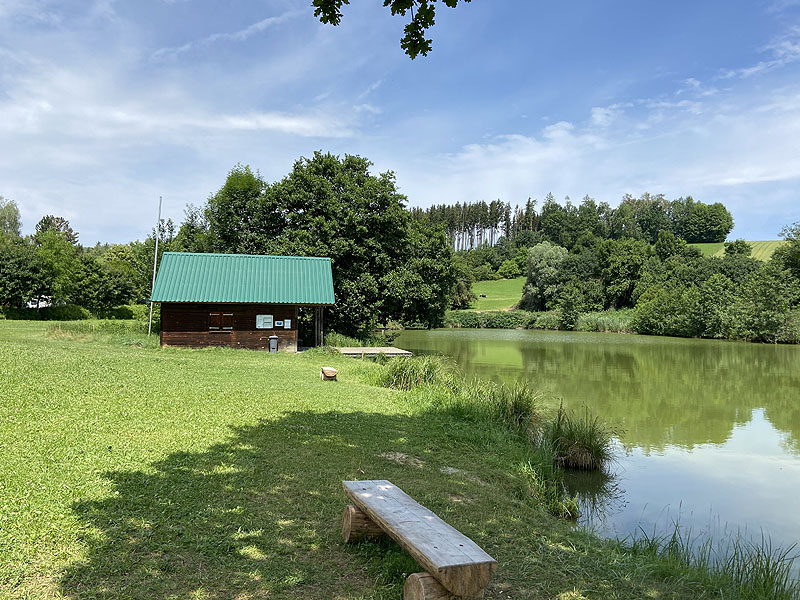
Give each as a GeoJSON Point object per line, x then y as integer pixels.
{"type": "Point", "coordinates": [187, 324]}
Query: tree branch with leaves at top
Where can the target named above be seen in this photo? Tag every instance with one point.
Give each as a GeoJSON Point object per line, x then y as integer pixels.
{"type": "Point", "coordinates": [423, 17]}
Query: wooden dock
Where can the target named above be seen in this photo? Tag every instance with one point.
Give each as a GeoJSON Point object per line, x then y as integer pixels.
{"type": "Point", "coordinates": [371, 352]}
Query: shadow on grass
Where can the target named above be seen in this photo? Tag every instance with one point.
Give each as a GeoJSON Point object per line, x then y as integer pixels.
{"type": "Point", "coordinates": [259, 516]}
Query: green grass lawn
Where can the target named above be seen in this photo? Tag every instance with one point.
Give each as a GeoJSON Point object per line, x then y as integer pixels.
{"type": "Point", "coordinates": [501, 294]}
{"type": "Point", "coordinates": [131, 471]}
{"type": "Point", "coordinates": [761, 250]}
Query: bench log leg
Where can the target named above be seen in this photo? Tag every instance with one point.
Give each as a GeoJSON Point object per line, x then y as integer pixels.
{"type": "Point", "coordinates": [358, 526]}
{"type": "Point", "coordinates": [424, 586]}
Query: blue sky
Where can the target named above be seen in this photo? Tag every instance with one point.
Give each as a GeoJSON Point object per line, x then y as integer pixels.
{"type": "Point", "coordinates": [105, 105]}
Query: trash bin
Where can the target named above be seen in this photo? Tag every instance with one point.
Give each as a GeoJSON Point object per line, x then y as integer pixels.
{"type": "Point", "coordinates": [273, 343]}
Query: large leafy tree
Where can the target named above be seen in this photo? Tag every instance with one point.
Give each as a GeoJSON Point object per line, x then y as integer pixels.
{"type": "Point", "coordinates": [423, 17]}
{"type": "Point", "coordinates": [789, 253]}
{"type": "Point", "coordinates": [545, 276]}
{"type": "Point", "coordinates": [21, 273]}
{"type": "Point", "coordinates": [9, 218]}
{"type": "Point", "coordinates": [697, 222]}
{"type": "Point", "coordinates": [386, 264]}
{"type": "Point", "coordinates": [621, 262]}
{"type": "Point", "coordinates": [58, 224]}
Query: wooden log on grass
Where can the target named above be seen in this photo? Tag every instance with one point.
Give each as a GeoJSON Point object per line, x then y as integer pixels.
{"type": "Point", "coordinates": [423, 586]}
{"type": "Point", "coordinates": [358, 526]}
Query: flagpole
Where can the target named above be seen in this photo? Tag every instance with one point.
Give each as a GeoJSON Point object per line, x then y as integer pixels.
{"type": "Point", "coordinates": [155, 260]}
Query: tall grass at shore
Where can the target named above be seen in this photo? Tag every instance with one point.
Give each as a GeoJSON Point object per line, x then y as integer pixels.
{"type": "Point", "coordinates": [571, 441]}
{"type": "Point", "coordinates": [614, 321]}
{"type": "Point", "coordinates": [738, 567]}
{"type": "Point", "coordinates": [407, 373]}
{"type": "Point", "coordinates": [578, 441]}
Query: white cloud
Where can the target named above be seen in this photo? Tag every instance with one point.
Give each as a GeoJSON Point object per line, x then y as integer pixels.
{"type": "Point", "coordinates": [47, 99]}
{"type": "Point", "coordinates": [785, 50]}
{"type": "Point", "coordinates": [603, 116]}
{"type": "Point", "coordinates": [236, 36]}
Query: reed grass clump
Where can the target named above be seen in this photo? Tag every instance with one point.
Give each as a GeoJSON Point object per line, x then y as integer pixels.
{"type": "Point", "coordinates": [548, 488]}
{"type": "Point", "coordinates": [578, 441]}
{"type": "Point", "coordinates": [617, 321]}
{"type": "Point", "coordinates": [406, 373]}
{"type": "Point", "coordinates": [738, 567]}
{"type": "Point", "coordinates": [515, 406]}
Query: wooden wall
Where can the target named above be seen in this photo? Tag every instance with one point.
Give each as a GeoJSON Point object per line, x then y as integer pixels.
{"type": "Point", "coordinates": [187, 324]}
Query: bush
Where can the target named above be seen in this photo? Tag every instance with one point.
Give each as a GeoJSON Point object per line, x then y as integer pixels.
{"type": "Point", "coordinates": [67, 312]}
{"type": "Point", "coordinates": [545, 320]}
{"type": "Point", "coordinates": [790, 332]}
{"type": "Point", "coordinates": [570, 307]}
{"type": "Point", "coordinates": [140, 312]}
{"type": "Point", "coordinates": [338, 340]}
{"type": "Point", "coordinates": [490, 319]}
{"type": "Point", "coordinates": [509, 269]}
{"type": "Point", "coordinates": [660, 311]}
{"type": "Point", "coordinates": [484, 272]}
{"type": "Point", "coordinates": [382, 338]}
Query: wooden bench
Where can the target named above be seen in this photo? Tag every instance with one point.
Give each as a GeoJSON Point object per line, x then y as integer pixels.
{"type": "Point", "coordinates": [454, 564]}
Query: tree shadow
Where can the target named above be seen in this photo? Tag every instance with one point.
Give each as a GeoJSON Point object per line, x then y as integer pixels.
{"type": "Point", "coordinates": [255, 517]}
{"type": "Point", "coordinates": [259, 515]}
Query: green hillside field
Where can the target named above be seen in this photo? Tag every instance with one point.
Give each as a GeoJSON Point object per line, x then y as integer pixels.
{"type": "Point", "coordinates": [761, 250]}
{"type": "Point", "coordinates": [502, 294]}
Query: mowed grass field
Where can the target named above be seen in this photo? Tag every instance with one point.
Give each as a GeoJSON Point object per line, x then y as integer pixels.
{"type": "Point", "coordinates": [500, 295]}
{"type": "Point", "coordinates": [761, 250]}
{"type": "Point", "coordinates": [131, 471]}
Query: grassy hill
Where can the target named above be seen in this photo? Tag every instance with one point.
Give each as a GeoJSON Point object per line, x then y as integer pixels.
{"type": "Point", "coordinates": [761, 250]}
{"type": "Point", "coordinates": [500, 295]}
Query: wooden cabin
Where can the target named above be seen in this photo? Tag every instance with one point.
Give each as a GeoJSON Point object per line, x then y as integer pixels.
{"type": "Point", "coordinates": [239, 300]}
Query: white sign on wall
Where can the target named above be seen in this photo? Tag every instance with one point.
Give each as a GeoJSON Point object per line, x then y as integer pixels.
{"type": "Point", "coordinates": [287, 323]}
{"type": "Point", "coordinates": [263, 321]}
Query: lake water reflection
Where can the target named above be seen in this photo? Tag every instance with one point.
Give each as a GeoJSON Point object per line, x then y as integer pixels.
{"type": "Point", "coordinates": [710, 430]}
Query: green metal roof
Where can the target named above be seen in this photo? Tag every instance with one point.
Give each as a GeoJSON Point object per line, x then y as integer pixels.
{"type": "Point", "coordinates": [191, 277]}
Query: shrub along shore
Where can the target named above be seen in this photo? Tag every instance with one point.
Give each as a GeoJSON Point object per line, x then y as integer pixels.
{"type": "Point", "coordinates": [614, 321]}
{"type": "Point", "coordinates": [135, 471]}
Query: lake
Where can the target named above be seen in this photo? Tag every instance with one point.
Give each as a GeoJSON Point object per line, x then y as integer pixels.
{"type": "Point", "coordinates": [709, 430]}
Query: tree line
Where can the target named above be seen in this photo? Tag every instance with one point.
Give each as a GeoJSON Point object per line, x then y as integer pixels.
{"type": "Point", "coordinates": [395, 264]}
{"type": "Point", "coordinates": [51, 268]}
{"type": "Point", "coordinates": [672, 288]}
{"type": "Point", "coordinates": [473, 224]}
{"type": "Point", "coordinates": [387, 265]}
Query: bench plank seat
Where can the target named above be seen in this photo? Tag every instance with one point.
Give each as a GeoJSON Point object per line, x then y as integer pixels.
{"type": "Point", "coordinates": [457, 562]}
